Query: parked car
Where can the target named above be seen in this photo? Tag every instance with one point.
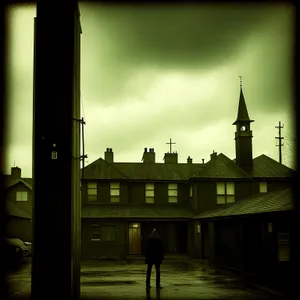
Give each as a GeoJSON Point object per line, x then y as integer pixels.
{"type": "Point", "coordinates": [29, 245]}
{"type": "Point", "coordinates": [17, 249]}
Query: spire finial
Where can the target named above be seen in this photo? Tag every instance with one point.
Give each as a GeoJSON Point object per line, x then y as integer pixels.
{"type": "Point", "coordinates": [241, 81]}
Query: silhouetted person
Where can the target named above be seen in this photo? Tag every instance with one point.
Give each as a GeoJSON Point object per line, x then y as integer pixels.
{"type": "Point", "coordinates": [154, 255]}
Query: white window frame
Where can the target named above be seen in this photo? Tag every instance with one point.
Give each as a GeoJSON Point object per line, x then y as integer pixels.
{"type": "Point", "coordinates": [225, 191]}
{"type": "Point", "coordinates": [149, 193]}
{"type": "Point", "coordinates": [114, 192]}
{"type": "Point", "coordinates": [92, 191]}
{"type": "Point", "coordinates": [173, 193]}
{"type": "Point", "coordinates": [263, 187]}
{"type": "Point", "coordinates": [21, 196]}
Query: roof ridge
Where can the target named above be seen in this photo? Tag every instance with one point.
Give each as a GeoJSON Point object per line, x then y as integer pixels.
{"type": "Point", "coordinates": [16, 181]}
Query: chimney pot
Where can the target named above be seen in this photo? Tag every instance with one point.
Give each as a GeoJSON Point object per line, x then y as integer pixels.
{"type": "Point", "coordinates": [109, 155]}
{"type": "Point", "coordinates": [203, 160]}
{"type": "Point", "coordinates": [171, 158]}
{"type": "Point", "coordinates": [213, 155]}
{"type": "Point", "coordinates": [149, 157]}
{"type": "Point", "coordinates": [189, 160]}
{"type": "Point", "coordinates": [145, 150]}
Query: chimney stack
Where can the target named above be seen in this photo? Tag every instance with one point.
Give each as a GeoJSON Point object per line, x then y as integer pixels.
{"type": "Point", "coordinates": [109, 155]}
{"type": "Point", "coordinates": [202, 160]}
{"type": "Point", "coordinates": [213, 156]}
{"type": "Point", "coordinates": [189, 160]}
{"type": "Point", "coordinates": [149, 157]}
{"type": "Point", "coordinates": [16, 173]}
{"type": "Point", "coordinates": [171, 158]}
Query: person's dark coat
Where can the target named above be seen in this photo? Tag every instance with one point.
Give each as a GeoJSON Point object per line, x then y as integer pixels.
{"type": "Point", "coordinates": [154, 252]}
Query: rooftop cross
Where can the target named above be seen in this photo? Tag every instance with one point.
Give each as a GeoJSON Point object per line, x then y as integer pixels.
{"type": "Point", "coordinates": [170, 143]}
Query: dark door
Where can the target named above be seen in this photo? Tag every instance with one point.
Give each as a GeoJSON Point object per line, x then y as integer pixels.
{"type": "Point", "coordinates": [134, 239]}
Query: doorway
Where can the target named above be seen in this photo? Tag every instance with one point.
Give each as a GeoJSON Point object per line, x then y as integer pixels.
{"type": "Point", "coordinates": [134, 239]}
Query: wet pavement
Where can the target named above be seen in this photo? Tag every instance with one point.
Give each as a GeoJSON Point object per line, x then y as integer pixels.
{"type": "Point", "coordinates": [181, 279]}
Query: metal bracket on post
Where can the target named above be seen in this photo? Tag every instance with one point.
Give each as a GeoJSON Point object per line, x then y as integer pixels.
{"type": "Point", "coordinates": [83, 156]}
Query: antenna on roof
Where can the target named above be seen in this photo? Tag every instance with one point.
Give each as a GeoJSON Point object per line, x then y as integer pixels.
{"type": "Point", "coordinates": [14, 163]}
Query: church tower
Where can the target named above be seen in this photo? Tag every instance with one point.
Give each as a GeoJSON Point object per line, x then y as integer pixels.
{"type": "Point", "coordinates": [243, 135]}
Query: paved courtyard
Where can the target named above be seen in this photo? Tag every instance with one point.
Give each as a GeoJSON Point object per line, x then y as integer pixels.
{"type": "Point", "coordinates": [181, 279]}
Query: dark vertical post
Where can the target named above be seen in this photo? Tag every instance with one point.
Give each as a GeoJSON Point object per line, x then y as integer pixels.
{"type": "Point", "coordinates": [279, 137]}
{"type": "Point", "coordinates": [3, 220]}
{"type": "Point", "coordinates": [56, 152]}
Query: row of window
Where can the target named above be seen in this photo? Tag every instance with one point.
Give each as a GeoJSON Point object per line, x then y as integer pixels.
{"type": "Point", "coordinates": [149, 192]}
{"type": "Point", "coordinates": [225, 192]}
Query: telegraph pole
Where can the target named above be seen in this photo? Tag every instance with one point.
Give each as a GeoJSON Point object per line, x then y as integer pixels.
{"type": "Point", "coordinates": [279, 137]}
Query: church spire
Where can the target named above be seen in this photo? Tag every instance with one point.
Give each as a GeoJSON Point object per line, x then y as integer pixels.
{"type": "Point", "coordinates": [242, 115]}
{"type": "Point", "coordinates": [243, 134]}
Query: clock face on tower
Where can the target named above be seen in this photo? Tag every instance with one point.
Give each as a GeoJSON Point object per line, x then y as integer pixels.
{"type": "Point", "coordinates": [243, 128]}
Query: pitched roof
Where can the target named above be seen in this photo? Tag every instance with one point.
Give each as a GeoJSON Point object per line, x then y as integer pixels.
{"type": "Point", "coordinates": [242, 110]}
{"type": "Point", "coordinates": [9, 182]}
{"type": "Point", "coordinates": [136, 211]}
{"type": "Point", "coordinates": [13, 209]}
{"type": "Point", "coordinates": [281, 200]}
{"type": "Point", "coordinates": [266, 167]}
{"type": "Point", "coordinates": [100, 169]}
{"type": "Point", "coordinates": [221, 167]}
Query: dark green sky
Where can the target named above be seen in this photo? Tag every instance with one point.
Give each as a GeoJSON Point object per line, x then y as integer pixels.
{"type": "Point", "coordinates": [154, 72]}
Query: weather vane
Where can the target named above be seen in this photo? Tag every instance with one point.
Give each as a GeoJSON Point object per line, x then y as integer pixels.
{"type": "Point", "coordinates": [241, 82]}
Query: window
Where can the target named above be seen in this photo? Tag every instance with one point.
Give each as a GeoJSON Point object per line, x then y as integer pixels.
{"type": "Point", "coordinates": [225, 192]}
{"type": "Point", "coordinates": [115, 192]}
{"type": "Point", "coordinates": [172, 192]}
{"type": "Point", "coordinates": [263, 187]}
{"type": "Point", "coordinates": [149, 192]}
{"type": "Point", "coordinates": [95, 236]}
{"type": "Point", "coordinates": [21, 196]}
{"type": "Point", "coordinates": [108, 233]}
{"type": "Point", "coordinates": [92, 191]}
{"type": "Point", "coordinates": [191, 191]}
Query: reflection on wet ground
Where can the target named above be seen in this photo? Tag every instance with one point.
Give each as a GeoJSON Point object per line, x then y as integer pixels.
{"type": "Point", "coordinates": [180, 279]}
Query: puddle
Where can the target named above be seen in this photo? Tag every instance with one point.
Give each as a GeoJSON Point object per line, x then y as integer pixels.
{"type": "Point", "coordinates": [108, 283]}
{"type": "Point", "coordinates": [98, 273]}
{"type": "Point", "coordinates": [183, 284]}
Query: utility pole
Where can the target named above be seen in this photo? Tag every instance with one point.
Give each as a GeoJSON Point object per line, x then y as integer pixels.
{"type": "Point", "coordinates": [279, 137]}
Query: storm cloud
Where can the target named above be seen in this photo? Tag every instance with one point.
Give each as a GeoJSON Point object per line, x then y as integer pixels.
{"type": "Point", "coordinates": [151, 72]}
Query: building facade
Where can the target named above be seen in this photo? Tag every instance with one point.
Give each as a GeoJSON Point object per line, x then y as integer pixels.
{"type": "Point", "coordinates": [18, 200]}
{"type": "Point", "coordinates": [123, 202]}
